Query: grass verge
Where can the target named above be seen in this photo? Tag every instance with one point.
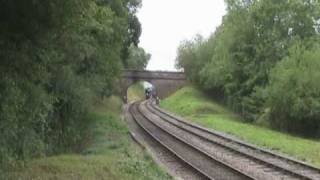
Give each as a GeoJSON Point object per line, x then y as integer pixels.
{"type": "Point", "coordinates": [136, 92]}
{"type": "Point", "coordinates": [109, 154]}
{"type": "Point", "coordinates": [195, 106]}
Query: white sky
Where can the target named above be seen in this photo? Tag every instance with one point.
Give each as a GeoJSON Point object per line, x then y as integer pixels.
{"type": "Point", "coordinates": [165, 23]}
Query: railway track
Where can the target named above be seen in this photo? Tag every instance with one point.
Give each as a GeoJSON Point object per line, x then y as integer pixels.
{"type": "Point", "coordinates": [189, 154]}
{"type": "Point", "coordinates": [273, 162]}
{"type": "Point", "coordinates": [214, 155]}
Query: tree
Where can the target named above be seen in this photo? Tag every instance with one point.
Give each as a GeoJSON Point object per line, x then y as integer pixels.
{"type": "Point", "coordinates": [237, 60]}
{"type": "Point", "coordinates": [293, 95]}
{"type": "Point", "coordinates": [138, 58]}
{"type": "Point", "coordinates": [55, 58]}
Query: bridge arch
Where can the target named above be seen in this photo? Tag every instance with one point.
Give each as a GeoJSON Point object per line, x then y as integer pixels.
{"type": "Point", "coordinates": [165, 82]}
{"type": "Point", "coordinates": [130, 83]}
{"type": "Point", "coordinates": [136, 91]}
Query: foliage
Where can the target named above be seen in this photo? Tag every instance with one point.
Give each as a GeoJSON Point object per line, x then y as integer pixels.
{"type": "Point", "coordinates": [109, 153]}
{"type": "Point", "coordinates": [136, 92]}
{"type": "Point", "coordinates": [294, 81]}
{"type": "Point", "coordinates": [55, 57]}
{"type": "Point", "coordinates": [236, 62]}
{"type": "Point", "coordinates": [138, 59]}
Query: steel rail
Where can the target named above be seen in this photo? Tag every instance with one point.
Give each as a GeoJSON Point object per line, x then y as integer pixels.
{"type": "Point", "coordinates": [186, 143]}
{"type": "Point", "coordinates": [155, 109]}
{"type": "Point", "coordinates": [164, 145]}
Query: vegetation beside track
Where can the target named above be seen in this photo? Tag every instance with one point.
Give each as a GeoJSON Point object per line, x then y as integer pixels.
{"type": "Point", "coordinates": [263, 62]}
{"type": "Point", "coordinates": [197, 107]}
{"type": "Point", "coordinates": [109, 153]}
{"type": "Point", "coordinates": [135, 92]}
{"type": "Point", "coordinates": [56, 58]}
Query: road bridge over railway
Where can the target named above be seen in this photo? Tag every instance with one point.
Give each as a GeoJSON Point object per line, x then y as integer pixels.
{"type": "Point", "coordinates": [164, 82]}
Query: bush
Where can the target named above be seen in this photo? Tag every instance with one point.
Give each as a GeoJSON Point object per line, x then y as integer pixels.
{"type": "Point", "coordinates": [294, 91]}
{"type": "Point", "coordinates": [236, 61]}
{"type": "Point", "coordinates": [55, 57]}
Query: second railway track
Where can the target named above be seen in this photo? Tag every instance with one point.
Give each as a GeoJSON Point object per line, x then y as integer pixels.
{"type": "Point", "coordinates": [214, 155]}
{"type": "Point", "coordinates": [278, 162]}
{"type": "Point", "coordinates": [191, 155]}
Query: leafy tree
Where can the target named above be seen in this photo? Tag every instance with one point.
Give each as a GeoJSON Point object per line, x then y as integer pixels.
{"type": "Point", "coordinates": [138, 59]}
{"type": "Point", "coordinates": [293, 95]}
{"type": "Point", "coordinates": [56, 57]}
{"type": "Point", "coordinates": [236, 62]}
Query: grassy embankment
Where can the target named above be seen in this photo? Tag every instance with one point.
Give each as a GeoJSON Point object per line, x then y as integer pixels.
{"type": "Point", "coordinates": [135, 92]}
{"type": "Point", "coordinates": [109, 153]}
{"type": "Point", "coordinates": [195, 106]}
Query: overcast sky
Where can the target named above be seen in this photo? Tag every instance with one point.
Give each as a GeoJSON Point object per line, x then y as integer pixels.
{"type": "Point", "coordinates": [165, 23]}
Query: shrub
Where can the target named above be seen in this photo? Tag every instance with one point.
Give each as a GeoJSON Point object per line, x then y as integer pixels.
{"type": "Point", "coordinates": [293, 94]}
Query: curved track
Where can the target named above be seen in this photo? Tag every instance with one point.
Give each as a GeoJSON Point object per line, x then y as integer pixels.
{"type": "Point", "coordinates": [280, 162]}
{"type": "Point", "coordinates": [214, 155]}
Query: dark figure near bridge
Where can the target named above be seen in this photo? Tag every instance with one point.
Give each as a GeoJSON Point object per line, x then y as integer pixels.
{"type": "Point", "coordinates": [154, 93]}
{"type": "Point", "coordinates": [125, 99]}
{"type": "Point", "coordinates": [148, 93]}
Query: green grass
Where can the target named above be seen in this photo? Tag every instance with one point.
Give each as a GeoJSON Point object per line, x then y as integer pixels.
{"type": "Point", "coordinates": [109, 154]}
{"type": "Point", "coordinates": [135, 92]}
{"type": "Point", "coordinates": [195, 106]}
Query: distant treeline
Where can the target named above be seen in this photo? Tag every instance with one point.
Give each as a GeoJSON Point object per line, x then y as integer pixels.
{"type": "Point", "coordinates": [56, 58]}
{"type": "Point", "coordinates": [264, 61]}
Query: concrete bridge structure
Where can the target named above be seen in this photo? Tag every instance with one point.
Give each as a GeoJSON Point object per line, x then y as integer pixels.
{"type": "Point", "coordinates": [164, 82]}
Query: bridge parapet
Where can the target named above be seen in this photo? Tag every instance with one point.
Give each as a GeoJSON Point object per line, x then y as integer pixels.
{"type": "Point", "coordinates": [140, 74]}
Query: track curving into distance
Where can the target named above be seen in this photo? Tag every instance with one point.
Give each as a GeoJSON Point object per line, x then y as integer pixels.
{"type": "Point", "coordinates": [200, 161]}
{"type": "Point", "coordinates": [215, 155]}
{"type": "Point", "coordinates": [281, 165]}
